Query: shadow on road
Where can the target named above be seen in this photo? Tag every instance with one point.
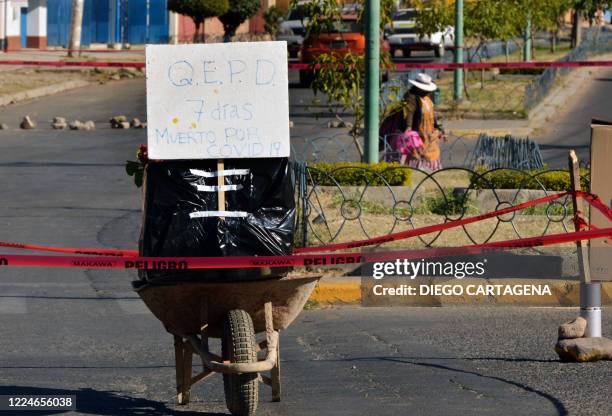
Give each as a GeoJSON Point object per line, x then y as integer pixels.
{"type": "Point", "coordinates": [95, 402]}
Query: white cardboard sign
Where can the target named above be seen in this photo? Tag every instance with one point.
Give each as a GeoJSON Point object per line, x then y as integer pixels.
{"type": "Point", "coordinates": [217, 101]}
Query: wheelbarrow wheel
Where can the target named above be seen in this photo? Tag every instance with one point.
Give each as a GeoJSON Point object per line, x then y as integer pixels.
{"type": "Point", "coordinates": [238, 345]}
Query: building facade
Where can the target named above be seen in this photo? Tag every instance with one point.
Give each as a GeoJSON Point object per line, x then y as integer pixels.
{"type": "Point", "coordinates": [46, 23]}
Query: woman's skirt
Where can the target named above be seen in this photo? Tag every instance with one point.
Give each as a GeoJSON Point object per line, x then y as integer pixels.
{"type": "Point", "coordinates": [424, 164]}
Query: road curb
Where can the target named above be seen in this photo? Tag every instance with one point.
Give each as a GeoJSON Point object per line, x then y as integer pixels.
{"type": "Point", "coordinates": [41, 92]}
{"type": "Point", "coordinates": [494, 131]}
{"type": "Point", "coordinates": [347, 291]}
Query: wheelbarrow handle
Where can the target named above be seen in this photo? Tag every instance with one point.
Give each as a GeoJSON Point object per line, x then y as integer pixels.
{"type": "Point", "coordinates": [209, 360]}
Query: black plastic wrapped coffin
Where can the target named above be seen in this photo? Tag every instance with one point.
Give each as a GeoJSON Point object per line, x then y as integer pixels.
{"type": "Point", "coordinates": [182, 220]}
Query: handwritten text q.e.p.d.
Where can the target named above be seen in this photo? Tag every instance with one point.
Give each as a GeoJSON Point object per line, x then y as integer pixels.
{"type": "Point", "coordinates": [235, 71]}
{"type": "Point", "coordinates": [217, 101]}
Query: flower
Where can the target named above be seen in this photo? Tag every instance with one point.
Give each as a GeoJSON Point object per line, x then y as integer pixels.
{"type": "Point", "coordinates": [136, 168]}
{"type": "Point", "coordinates": [142, 155]}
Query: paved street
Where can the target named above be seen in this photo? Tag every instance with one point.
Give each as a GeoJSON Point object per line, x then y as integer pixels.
{"type": "Point", "coordinates": [85, 332]}
{"type": "Point", "coordinates": [569, 128]}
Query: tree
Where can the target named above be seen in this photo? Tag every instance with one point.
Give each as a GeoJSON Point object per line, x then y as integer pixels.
{"type": "Point", "coordinates": [484, 20]}
{"type": "Point", "coordinates": [239, 11]}
{"type": "Point", "coordinates": [74, 43]}
{"type": "Point", "coordinates": [584, 8]}
{"type": "Point", "coordinates": [198, 11]}
{"type": "Point", "coordinates": [487, 20]}
{"type": "Point", "coordinates": [271, 17]}
{"type": "Point", "coordinates": [552, 18]}
{"type": "Point", "coordinates": [341, 77]}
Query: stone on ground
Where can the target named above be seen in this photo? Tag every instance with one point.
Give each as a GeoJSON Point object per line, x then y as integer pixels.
{"type": "Point", "coordinates": [573, 329]}
{"type": "Point", "coordinates": [27, 123]}
{"type": "Point", "coordinates": [3, 126]}
{"type": "Point", "coordinates": [76, 125]}
{"type": "Point", "coordinates": [136, 123]}
{"type": "Point", "coordinates": [119, 122]}
{"type": "Point", "coordinates": [584, 349]}
{"type": "Point", "coordinates": [79, 125]}
{"type": "Point", "coordinates": [59, 123]}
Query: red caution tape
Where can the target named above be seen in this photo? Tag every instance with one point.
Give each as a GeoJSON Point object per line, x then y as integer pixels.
{"type": "Point", "coordinates": [72, 250]}
{"type": "Point", "coordinates": [184, 263]}
{"type": "Point", "coordinates": [332, 247]}
{"type": "Point", "coordinates": [429, 229]}
{"type": "Point", "coordinates": [483, 65]}
{"type": "Point", "coordinates": [590, 198]}
{"type": "Point", "coordinates": [596, 203]}
{"type": "Point", "coordinates": [303, 66]}
{"type": "Point", "coordinates": [91, 64]}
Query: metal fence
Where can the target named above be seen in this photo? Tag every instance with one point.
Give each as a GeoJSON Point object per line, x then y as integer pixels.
{"type": "Point", "coordinates": [355, 202]}
{"type": "Point", "coordinates": [456, 151]}
{"type": "Point", "coordinates": [495, 93]}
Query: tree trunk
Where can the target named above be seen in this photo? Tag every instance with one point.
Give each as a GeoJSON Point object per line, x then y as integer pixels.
{"type": "Point", "coordinates": [197, 31]}
{"type": "Point", "coordinates": [576, 34]}
{"type": "Point", "coordinates": [507, 50]}
{"type": "Point", "coordinates": [553, 41]}
{"type": "Point", "coordinates": [74, 43]}
{"type": "Point", "coordinates": [229, 32]}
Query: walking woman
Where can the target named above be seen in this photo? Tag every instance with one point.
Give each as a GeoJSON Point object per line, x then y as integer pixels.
{"type": "Point", "coordinates": [414, 116]}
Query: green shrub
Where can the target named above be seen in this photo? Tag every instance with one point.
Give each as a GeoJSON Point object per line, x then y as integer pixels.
{"type": "Point", "coordinates": [359, 174]}
{"type": "Point", "coordinates": [271, 17]}
{"type": "Point", "coordinates": [448, 204]}
{"type": "Point", "coordinates": [554, 180]}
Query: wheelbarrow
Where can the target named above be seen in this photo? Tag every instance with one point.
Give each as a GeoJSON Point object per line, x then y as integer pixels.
{"type": "Point", "coordinates": [195, 311]}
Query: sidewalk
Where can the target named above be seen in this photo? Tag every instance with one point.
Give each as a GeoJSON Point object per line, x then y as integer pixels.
{"type": "Point", "coordinates": [542, 116]}
{"type": "Point", "coordinates": [24, 82]}
{"type": "Point", "coordinates": [136, 55]}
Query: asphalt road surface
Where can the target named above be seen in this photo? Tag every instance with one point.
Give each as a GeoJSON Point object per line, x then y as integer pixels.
{"type": "Point", "coordinates": [569, 128]}
{"type": "Point", "coordinates": [85, 332]}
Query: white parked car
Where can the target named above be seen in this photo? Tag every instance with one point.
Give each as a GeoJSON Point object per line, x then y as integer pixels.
{"type": "Point", "coordinates": [403, 35]}
{"type": "Point", "coordinates": [292, 29]}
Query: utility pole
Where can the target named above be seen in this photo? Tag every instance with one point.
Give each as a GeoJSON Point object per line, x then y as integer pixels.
{"type": "Point", "coordinates": [76, 23]}
{"type": "Point", "coordinates": [527, 39]}
{"type": "Point", "coordinates": [458, 81]}
{"type": "Point", "coordinates": [372, 79]}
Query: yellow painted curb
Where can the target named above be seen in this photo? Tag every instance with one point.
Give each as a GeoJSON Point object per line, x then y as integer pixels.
{"type": "Point", "coordinates": [337, 293]}
{"type": "Point", "coordinates": [563, 293]}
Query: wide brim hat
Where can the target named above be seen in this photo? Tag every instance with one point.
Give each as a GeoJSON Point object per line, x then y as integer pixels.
{"type": "Point", "coordinates": [423, 82]}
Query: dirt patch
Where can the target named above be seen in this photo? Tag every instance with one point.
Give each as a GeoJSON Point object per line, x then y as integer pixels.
{"type": "Point", "coordinates": [23, 79]}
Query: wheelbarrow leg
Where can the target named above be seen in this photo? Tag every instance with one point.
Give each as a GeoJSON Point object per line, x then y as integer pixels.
{"type": "Point", "coordinates": [275, 372]}
{"type": "Point", "coordinates": [276, 377]}
{"type": "Point", "coordinates": [183, 359]}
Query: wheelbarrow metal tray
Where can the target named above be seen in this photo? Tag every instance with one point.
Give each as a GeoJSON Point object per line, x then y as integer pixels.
{"type": "Point", "coordinates": [185, 307]}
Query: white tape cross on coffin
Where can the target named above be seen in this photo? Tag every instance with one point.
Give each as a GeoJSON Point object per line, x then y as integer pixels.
{"type": "Point", "coordinates": [226, 172]}
{"type": "Point", "coordinates": [207, 214]}
{"type": "Point", "coordinates": [218, 188]}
